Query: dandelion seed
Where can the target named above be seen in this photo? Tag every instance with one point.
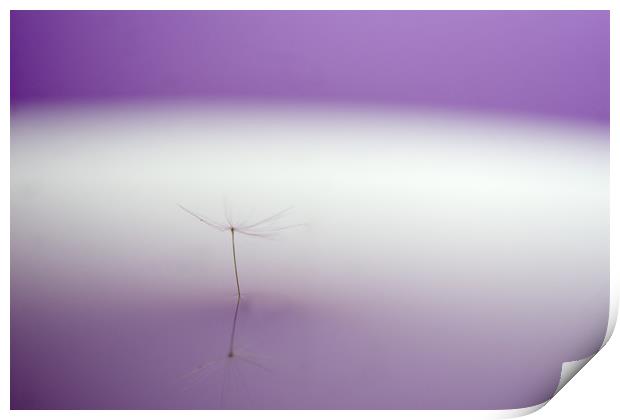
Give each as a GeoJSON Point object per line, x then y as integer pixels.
{"type": "Point", "coordinates": [264, 228]}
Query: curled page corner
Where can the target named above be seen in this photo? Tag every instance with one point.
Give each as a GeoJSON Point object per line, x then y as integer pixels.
{"type": "Point", "coordinates": [571, 368]}
{"type": "Point", "coordinates": [520, 412]}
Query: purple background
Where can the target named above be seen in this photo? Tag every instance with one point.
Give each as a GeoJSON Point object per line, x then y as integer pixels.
{"type": "Point", "coordinates": [85, 335]}
{"type": "Point", "coordinates": [553, 63]}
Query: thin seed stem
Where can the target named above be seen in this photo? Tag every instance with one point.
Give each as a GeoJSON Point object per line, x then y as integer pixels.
{"type": "Point", "coordinates": [232, 234]}
{"type": "Point", "coordinates": [231, 349]}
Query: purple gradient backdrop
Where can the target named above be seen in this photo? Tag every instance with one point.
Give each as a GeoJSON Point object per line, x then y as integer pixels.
{"type": "Point", "coordinates": [81, 337]}
{"type": "Point", "coordinates": [550, 63]}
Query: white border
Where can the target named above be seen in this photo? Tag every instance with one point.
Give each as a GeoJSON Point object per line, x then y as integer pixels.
{"type": "Point", "coordinates": [297, 5]}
